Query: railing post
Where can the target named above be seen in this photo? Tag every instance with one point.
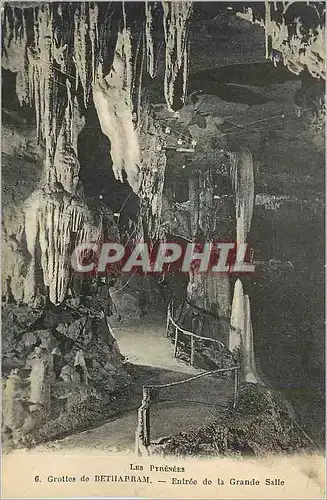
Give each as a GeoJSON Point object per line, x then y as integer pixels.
{"type": "Point", "coordinates": [192, 350]}
{"type": "Point", "coordinates": [168, 320]}
{"type": "Point", "coordinates": [146, 396]}
{"type": "Point", "coordinates": [142, 435]}
{"type": "Point", "coordinates": [176, 342]}
{"type": "Point", "coordinates": [235, 387]}
{"type": "Point", "coordinates": [193, 342]}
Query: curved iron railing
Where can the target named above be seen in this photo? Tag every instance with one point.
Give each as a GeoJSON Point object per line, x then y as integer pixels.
{"type": "Point", "coordinates": [142, 435]}
{"type": "Point", "coordinates": [193, 337]}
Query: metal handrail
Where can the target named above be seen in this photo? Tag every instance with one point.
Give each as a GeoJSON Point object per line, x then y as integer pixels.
{"type": "Point", "coordinates": [189, 379]}
{"type": "Point", "coordinates": [186, 332]}
{"type": "Point", "coordinates": [192, 335]}
{"type": "Point", "coordinates": [142, 436]}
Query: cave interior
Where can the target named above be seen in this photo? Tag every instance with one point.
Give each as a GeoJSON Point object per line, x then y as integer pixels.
{"type": "Point", "coordinates": [159, 121]}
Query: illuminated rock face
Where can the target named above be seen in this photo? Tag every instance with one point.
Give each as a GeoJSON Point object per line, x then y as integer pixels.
{"type": "Point", "coordinates": [295, 35]}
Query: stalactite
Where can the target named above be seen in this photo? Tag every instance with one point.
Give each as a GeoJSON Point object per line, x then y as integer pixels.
{"type": "Point", "coordinates": [94, 36]}
{"type": "Point", "coordinates": [267, 27]}
{"type": "Point", "coordinates": [242, 176]}
{"type": "Point", "coordinates": [153, 25]}
{"type": "Point", "coordinates": [84, 64]}
{"type": "Point", "coordinates": [54, 225]}
{"type": "Point", "coordinates": [113, 102]}
{"type": "Point", "coordinates": [150, 48]}
{"type": "Point", "coordinates": [176, 17]}
{"type": "Point", "coordinates": [43, 81]}
{"type": "Point", "coordinates": [60, 51]}
{"type": "Point", "coordinates": [43, 58]}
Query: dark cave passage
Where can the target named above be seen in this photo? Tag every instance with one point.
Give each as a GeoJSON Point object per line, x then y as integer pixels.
{"type": "Point", "coordinates": [96, 173]}
{"type": "Point", "coordinates": [8, 90]}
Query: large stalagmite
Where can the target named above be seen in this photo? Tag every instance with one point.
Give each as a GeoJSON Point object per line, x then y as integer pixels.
{"type": "Point", "coordinates": [237, 317]}
{"type": "Point", "coordinates": [54, 225]}
{"type": "Point", "coordinates": [249, 367]}
{"type": "Point", "coordinates": [241, 333]}
{"type": "Point", "coordinates": [151, 12]}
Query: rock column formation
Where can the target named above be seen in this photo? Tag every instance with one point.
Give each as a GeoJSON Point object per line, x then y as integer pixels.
{"type": "Point", "coordinates": [241, 332]}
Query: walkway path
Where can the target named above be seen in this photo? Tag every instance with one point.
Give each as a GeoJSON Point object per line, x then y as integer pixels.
{"type": "Point", "coordinates": [145, 343]}
{"type": "Point", "coordinates": [186, 406]}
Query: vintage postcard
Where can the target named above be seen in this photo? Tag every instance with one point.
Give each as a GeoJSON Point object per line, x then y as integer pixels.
{"type": "Point", "coordinates": [163, 249]}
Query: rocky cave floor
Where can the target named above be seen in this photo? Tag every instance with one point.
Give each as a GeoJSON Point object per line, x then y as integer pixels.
{"type": "Point", "coordinates": [196, 420]}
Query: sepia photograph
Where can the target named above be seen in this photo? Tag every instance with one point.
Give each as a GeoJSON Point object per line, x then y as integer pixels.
{"type": "Point", "coordinates": [163, 249]}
